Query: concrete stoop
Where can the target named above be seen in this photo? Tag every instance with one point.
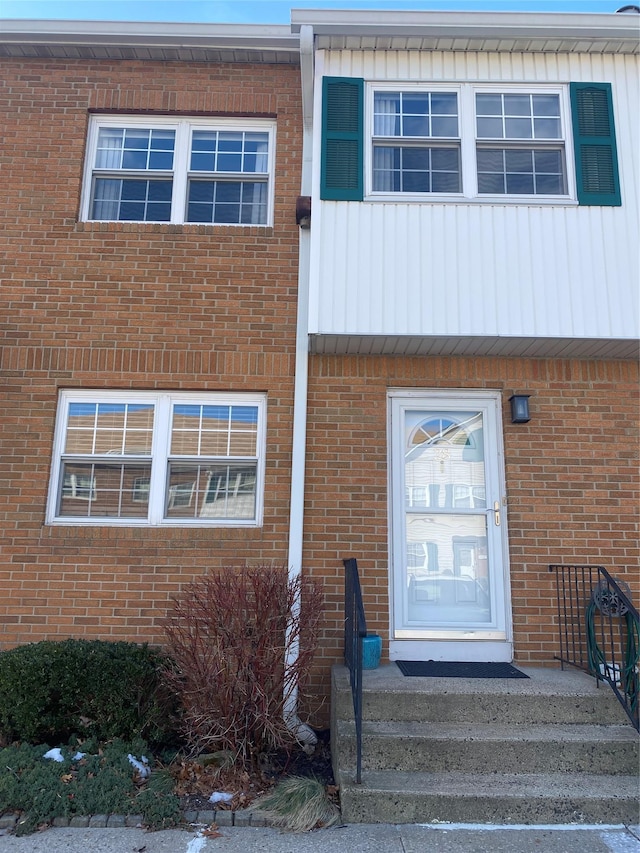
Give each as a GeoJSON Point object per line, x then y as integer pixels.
{"type": "Point", "coordinates": [553, 748]}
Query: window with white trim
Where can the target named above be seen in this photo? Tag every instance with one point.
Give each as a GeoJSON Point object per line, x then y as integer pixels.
{"type": "Point", "coordinates": [468, 140]}
{"type": "Point", "coordinates": [205, 171]}
{"type": "Point", "coordinates": [449, 142]}
{"type": "Point", "coordinates": [520, 143]}
{"type": "Point", "coordinates": [416, 142]}
{"type": "Point", "coordinates": [155, 458]}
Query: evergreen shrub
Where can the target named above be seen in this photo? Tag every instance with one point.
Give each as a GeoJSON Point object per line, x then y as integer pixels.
{"type": "Point", "coordinates": [52, 690]}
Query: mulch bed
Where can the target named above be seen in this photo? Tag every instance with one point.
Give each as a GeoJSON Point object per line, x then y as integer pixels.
{"type": "Point", "coordinates": [196, 783]}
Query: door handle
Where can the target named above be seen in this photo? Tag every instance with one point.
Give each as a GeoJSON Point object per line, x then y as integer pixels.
{"type": "Point", "coordinates": [496, 513]}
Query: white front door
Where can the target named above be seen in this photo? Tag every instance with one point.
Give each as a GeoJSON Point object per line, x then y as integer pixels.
{"type": "Point", "coordinates": [449, 569]}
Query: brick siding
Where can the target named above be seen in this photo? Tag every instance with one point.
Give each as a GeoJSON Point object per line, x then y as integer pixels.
{"type": "Point", "coordinates": [131, 306]}
{"type": "Point", "coordinates": [192, 307]}
{"type": "Point", "coordinates": [571, 478]}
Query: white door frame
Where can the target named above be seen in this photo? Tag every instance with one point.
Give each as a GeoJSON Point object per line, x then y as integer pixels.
{"type": "Point", "coordinates": [461, 645]}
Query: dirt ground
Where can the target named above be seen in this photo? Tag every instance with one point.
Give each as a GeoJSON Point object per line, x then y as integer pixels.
{"type": "Point", "coordinates": [196, 783]}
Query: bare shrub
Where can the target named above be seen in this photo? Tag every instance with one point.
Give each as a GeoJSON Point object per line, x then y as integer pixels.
{"type": "Point", "coordinates": [230, 634]}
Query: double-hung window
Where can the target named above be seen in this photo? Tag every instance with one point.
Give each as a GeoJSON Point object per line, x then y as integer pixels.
{"type": "Point", "coordinates": [191, 170]}
{"type": "Point", "coordinates": [466, 141]}
{"type": "Point", "coordinates": [520, 143]}
{"type": "Point", "coordinates": [507, 142]}
{"type": "Point", "coordinates": [416, 142]}
{"type": "Point", "coordinates": [155, 458]}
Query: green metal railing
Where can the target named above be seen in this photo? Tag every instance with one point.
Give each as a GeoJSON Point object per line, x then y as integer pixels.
{"type": "Point", "coordinates": [599, 630]}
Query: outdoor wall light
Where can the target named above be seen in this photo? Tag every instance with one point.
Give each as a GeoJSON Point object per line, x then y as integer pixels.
{"type": "Point", "coordinates": [520, 408]}
{"type": "Point", "coordinates": [303, 211]}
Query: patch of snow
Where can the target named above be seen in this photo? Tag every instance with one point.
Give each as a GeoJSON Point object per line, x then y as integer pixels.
{"type": "Point", "coordinates": [54, 754]}
{"type": "Point", "coordinates": [220, 797]}
{"type": "Point", "coordinates": [196, 844]}
{"type": "Point", "coordinates": [141, 766]}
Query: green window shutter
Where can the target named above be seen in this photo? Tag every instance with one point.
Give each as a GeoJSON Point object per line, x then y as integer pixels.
{"type": "Point", "coordinates": [341, 175]}
{"type": "Point", "coordinates": [594, 142]}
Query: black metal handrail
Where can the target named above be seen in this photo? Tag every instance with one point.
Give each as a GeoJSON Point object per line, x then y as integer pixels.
{"type": "Point", "coordinates": [599, 630]}
{"type": "Point", "coordinates": [355, 628]}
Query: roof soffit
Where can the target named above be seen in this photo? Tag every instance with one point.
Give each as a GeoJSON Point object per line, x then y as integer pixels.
{"type": "Point", "coordinates": [488, 31]}
{"type": "Point", "coordinates": [148, 41]}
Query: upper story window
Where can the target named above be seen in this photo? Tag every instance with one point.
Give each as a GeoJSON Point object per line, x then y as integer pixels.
{"type": "Point", "coordinates": [520, 143]}
{"type": "Point", "coordinates": [416, 142]}
{"type": "Point", "coordinates": [195, 170]}
{"type": "Point", "coordinates": [468, 141]}
{"type": "Point", "coordinates": [152, 458]}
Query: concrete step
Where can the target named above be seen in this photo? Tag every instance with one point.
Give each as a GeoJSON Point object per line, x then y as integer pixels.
{"type": "Point", "coordinates": [547, 696]}
{"type": "Point", "coordinates": [493, 748]}
{"type": "Point", "coordinates": [553, 748]}
{"type": "Point", "coordinates": [402, 797]}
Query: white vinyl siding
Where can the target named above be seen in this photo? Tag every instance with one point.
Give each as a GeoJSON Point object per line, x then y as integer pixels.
{"type": "Point", "coordinates": [536, 271]}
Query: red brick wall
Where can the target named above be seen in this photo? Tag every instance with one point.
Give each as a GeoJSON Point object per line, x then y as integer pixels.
{"type": "Point", "coordinates": [134, 306]}
{"type": "Point", "coordinates": [131, 306]}
{"type": "Point", "coordinates": [571, 477]}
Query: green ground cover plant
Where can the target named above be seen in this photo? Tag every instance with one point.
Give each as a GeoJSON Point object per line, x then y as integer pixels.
{"type": "Point", "coordinates": [222, 687]}
{"type": "Point", "coordinates": [102, 781]}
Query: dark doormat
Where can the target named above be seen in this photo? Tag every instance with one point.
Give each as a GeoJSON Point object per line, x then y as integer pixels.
{"type": "Point", "coordinates": [458, 669]}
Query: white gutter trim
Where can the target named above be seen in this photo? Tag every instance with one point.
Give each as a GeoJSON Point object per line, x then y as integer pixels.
{"type": "Point", "coordinates": [570, 25]}
{"type": "Point", "coordinates": [304, 733]}
{"type": "Point", "coordinates": [151, 34]}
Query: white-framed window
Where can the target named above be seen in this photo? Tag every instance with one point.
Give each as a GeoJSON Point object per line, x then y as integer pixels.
{"type": "Point", "coordinates": [416, 142]}
{"type": "Point", "coordinates": [154, 458]}
{"type": "Point", "coordinates": [467, 140]}
{"type": "Point", "coordinates": [520, 143]}
{"type": "Point", "coordinates": [204, 171]}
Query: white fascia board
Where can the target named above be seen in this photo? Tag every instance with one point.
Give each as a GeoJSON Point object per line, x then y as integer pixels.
{"type": "Point", "coordinates": [504, 25]}
{"type": "Point", "coordinates": [128, 34]}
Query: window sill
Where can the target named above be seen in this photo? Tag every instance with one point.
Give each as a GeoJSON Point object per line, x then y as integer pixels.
{"type": "Point", "coordinates": [111, 227]}
{"type": "Point", "coordinates": [145, 525]}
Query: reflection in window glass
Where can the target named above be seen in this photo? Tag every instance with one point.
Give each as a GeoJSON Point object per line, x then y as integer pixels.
{"type": "Point", "coordinates": [111, 492]}
{"type": "Point", "coordinates": [214, 431]}
{"type": "Point", "coordinates": [157, 458]}
{"type": "Point", "coordinates": [214, 491]}
{"type": "Point", "coordinates": [119, 429]}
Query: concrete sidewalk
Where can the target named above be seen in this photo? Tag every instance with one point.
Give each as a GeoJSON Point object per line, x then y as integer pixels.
{"type": "Point", "coordinates": [355, 838]}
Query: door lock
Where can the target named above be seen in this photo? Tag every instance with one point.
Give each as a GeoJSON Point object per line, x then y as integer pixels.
{"type": "Point", "coordinates": [496, 513]}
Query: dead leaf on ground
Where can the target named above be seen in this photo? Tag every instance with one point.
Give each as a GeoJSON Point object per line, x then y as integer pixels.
{"type": "Point", "coordinates": [212, 831]}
